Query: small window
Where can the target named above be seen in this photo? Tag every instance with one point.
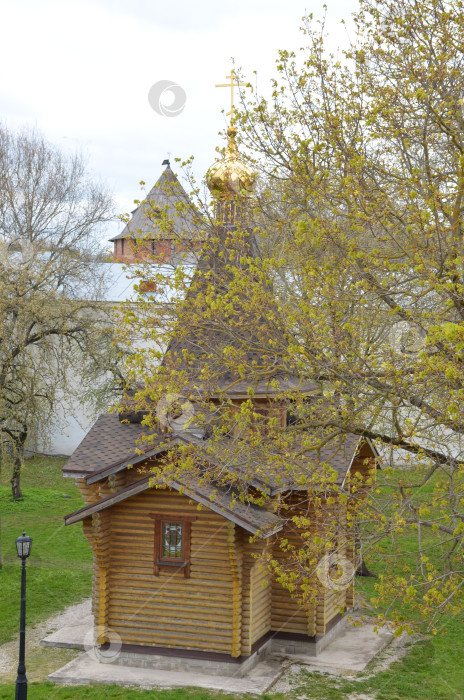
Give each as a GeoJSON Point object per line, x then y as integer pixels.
{"type": "Point", "coordinates": [171, 542]}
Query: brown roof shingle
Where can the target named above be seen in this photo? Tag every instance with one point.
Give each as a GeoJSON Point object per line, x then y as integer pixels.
{"type": "Point", "coordinates": [107, 441]}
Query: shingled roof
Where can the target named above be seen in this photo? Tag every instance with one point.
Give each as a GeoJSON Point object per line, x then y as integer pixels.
{"type": "Point", "coordinates": [207, 339]}
{"type": "Point", "coordinates": [338, 455]}
{"type": "Point", "coordinates": [167, 195]}
{"type": "Point", "coordinates": [108, 441]}
{"type": "Point", "coordinates": [111, 446]}
{"type": "Point", "coordinates": [244, 460]}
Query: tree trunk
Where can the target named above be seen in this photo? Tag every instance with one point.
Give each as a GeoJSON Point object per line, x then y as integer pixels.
{"type": "Point", "coordinates": [17, 465]}
{"type": "Point", "coordinates": [362, 569]}
{"type": "Point", "coordinates": [16, 479]}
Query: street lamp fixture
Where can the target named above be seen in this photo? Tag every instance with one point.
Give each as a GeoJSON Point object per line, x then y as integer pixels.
{"type": "Point", "coordinates": [23, 547]}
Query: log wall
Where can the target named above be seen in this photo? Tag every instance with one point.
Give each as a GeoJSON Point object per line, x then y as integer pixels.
{"type": "Point", "coordinates": [201, 612]}
{"type": "Point", "coordinates": [260, 598]}
{"type": "Point", "coordinates": [230, 600]}
{"type": "Point", "coordinates": [99, 531]}
{"type": "Point", "coordinates": [256, 593]}
{"type": "Point", "coordinates": [287, 615]}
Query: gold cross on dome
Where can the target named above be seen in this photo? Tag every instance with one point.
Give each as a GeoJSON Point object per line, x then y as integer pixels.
{"type": "Point", "coordinates": [234, 82]}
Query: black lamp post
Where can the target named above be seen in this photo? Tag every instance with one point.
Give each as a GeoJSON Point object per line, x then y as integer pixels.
{"type": "Point", "coordinates": [23, 546]}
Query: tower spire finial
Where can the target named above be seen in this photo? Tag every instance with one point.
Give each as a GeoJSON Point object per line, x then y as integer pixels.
{"type": "Point", "coordinates": [234, 82]}
{"type": "Point", "coordinates": [230, 179]}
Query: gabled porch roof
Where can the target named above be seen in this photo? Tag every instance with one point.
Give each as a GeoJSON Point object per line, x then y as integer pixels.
{"type": "Point", "coordinates": [251, 518]}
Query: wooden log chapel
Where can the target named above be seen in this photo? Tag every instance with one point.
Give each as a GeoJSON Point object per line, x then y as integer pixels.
{"type": "Point", "coordinates": [185, 586]}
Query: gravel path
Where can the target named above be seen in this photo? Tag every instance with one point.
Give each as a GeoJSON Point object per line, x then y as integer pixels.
{"type": "Point", "coordinates": [40, 661]}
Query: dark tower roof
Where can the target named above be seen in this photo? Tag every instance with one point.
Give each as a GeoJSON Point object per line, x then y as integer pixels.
{"type": "Point", "coordinates": [166, 195]}
{"type": "Point", "coordinates": [206, 340]}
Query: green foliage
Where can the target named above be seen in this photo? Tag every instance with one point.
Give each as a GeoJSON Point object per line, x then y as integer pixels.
{"type": "Point", "coordinates": [357, 288]}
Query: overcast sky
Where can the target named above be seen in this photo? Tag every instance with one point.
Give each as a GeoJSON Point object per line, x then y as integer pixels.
{"type": "Point", "coordinates": [81, 72]}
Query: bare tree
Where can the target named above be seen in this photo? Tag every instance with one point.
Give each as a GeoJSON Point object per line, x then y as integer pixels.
{"type": "Point", "coordinates": [51, 284]}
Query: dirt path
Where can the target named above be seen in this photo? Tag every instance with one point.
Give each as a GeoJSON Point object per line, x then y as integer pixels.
{"type": "Point", "coordinates": [40, 661]}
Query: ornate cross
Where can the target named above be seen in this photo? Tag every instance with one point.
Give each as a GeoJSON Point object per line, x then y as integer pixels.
{"type": "Point", "coordinates": [233, 83]}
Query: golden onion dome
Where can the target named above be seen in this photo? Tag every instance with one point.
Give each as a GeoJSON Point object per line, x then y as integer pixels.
{"type": "Point", "coordinates": [231, 176]}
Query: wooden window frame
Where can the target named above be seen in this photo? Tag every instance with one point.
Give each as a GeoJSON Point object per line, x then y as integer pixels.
{"type": "Point", "coordinates": [160, 562]}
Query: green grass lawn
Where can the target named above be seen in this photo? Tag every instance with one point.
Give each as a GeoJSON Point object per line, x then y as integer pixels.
{"type": "Point", "coordinates": [49, 691]}
{"type": "Point", "coordinates": [59, 574]}
{"type": "Point", "coordinates": [59, 568]}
